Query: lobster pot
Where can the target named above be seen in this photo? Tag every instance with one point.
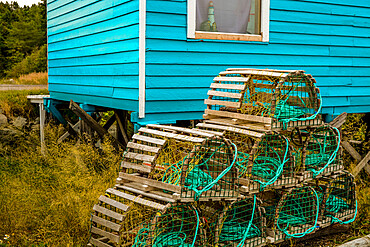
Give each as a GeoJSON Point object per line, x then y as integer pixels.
{"type": "Point", "coordinates": [290, 213]}
{"type": "Point", "coordinates": [270, 99]}
{"type": "Point", "coordinates": [241, 223]}
{"type": "Point", "coordinates": [320, 153]}
{"type": "Point", "coordinates": [177, 225]}
{"type": "Point", "coordinates": [179, 164]}
{"type": "Point", "coordinates": [339, 199]}
{"type": "Point", "coordinates": [117, 217]}
{"type": "Point", "coordinates": [264, 160]}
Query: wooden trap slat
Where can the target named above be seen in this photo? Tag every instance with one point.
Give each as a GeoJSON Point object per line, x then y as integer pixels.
{"type": "Point", "coordinates": [238, 116]}
{"type": "Point", "coordinates": [98, 243]}
{"type": "Point", "coordinates": [150, 182]}
{"type": "Point", "coordinates": [225, 94]}
{"type": "Point", "coordinates": [256, 72]}
{"type": "Point", "coordinates": [223, 103]}
{"type": "Point", "coordinates": [147, 194]}
{"type": "Point", "coordinates": [108, 212]}
{"type": "Point", "coordinates": [114, 203]}
{"type": "Point", "coordinates": [171, 135]}
{"type": "Point", "coordinates": [231, 129]}
{"type": "Point", "coordinates": [142, 157]}
{"type": "Point", "coordinates": [138, 137]}
{"type": "Point", "coordinates": [231, 78]}
{"type": "Point", "coordinates": [180, 129]}
{"type": "Point", "coordinates": [137, 199]}
{"type": "Point", "coordinates": [143, 147]}
{"type": "Point", "coordinates": [106, 223]}
{"type": "Point", "coordinates": [142, 168]}
{"type": "Point", "coordinates": [228, 86]}
{"type": "Point", "coordinates": [109, 235]}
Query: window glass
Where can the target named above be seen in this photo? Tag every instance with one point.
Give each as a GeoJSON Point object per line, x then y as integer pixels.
{"type": "Point", "coordinates": [231, 16]}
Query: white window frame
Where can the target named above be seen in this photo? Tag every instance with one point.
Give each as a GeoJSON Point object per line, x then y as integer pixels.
{"type": "Point", "coordinates": [265, 26]}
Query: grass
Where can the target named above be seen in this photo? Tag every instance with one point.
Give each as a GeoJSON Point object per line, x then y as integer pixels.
{"type": "Point", "coordinates": [47, 200]}
{"type": "Point", "coordinates": [15, 103]}
{"type": "Point", "coordinates": [36, 78]}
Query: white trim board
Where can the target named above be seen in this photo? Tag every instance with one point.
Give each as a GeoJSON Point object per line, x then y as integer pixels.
{"type": "Point", "coordinates": [142, 34]}
{"type": "Point", "coordinates": [265, 20]}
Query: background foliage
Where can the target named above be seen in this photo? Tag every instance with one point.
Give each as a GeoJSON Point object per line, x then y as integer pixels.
{"type": "Point", "coordinates": [22, 39]}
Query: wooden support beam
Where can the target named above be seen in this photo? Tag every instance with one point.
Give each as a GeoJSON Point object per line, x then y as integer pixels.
{"type": "Point", "coordinates": [361, 165]}
{"type": "Point", "coordinates": [354, 154]}
{"type": "Point", "coordinates": [72, 130]}
{"type": "Point", "coordinates": [121, 121]}
{"type": "Point", "coordinates": [92, 123]}
{"type": "Point", "coordinates": [110, 122]}
{"type": "Point", "coordinates": [339, 121]}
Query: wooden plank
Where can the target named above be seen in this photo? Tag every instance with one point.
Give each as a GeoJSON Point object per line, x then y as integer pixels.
{"type": "Point", "coordinates": [171, 135]}
{"type": "Point", "coordinates": [106, 223]}
{"type": "Point", "coordinates": [121, 121]}
{"type": "Point", "coordinates": [92, 123]}
{"type": "Point", "coordinates": [108, 212]}
{"type": "Point", "coordinates": [231, 78]}
{"type": "Point", "coordinates": [142, 157]}
{"type": "Point", "coordinates": [228, 86]}
{"type": "Point", "coordinates": [143, 147]}
{"type": "Point", "coordinates": [114, 203]}
{"type": "Point", "coordinates": [185, 130]}
{"type": "Point", "coordinates": [148, 194]}
{"type": "Point", "coordinates": [361, 165]}
{"type": "Point", "coordinates": [239, 116]}
{"type": "Point", "coordinates": [225, 36]}
{"type": "Point", "coordinates": [238, 124]}
{"type": "Point", "coordinates": [339, 121]}
{"type": "Point", "coordinates": [98, 243]}
{"type": "Point", "coordinates": [136, 199]}
{"type": "Point", "coordinates": [274, 70]}
{"type": "Point", "coordinates": [256, 72]}
{"type": "Point", "coordinates": [142, 168]}
{"type": "Point", "coordinates": [224, 94]}
{"type": "Point", "coordinates": [231, 129]}
{"type": "Point", "coordinates": [150, 182]}
{"type": "Point", "coordinates": [224, 103]}
{"type": "Point", "coordinates": [109, 235]}
{"type": "Point", "coordinates": [138, 137]}
{"type": "Point", "coordinates": [73, 128]}
{"type": "Point", "coordinates": [351, 151]}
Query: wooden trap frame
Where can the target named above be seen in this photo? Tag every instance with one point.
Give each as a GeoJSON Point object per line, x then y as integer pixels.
{"type": "Point", "coordinates": [338, 198]}
{"type": "Point", "coordinates": [320, 153]}
{"type": "Point", "coordinates": [178, 164]}
{"type": "Point", "coordinates": [241, 223]}
{"type": "Point", "coordinates": [177, 225]}
{"type": "Point", "coordinates": [264, 159]}
{"type": "Point", "coordinates": [265, 99]}
{"type": "Point", "coordinates": [291, 213]}
{"type": "Point", "coordinates": [118, 215]}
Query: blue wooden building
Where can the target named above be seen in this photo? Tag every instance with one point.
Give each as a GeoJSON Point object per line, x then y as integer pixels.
{"type": "Point", "coordinates": [157, 58]}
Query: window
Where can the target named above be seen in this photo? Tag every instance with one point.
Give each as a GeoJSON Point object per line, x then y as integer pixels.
{"type": "Point", "coordinates": [246, 20]}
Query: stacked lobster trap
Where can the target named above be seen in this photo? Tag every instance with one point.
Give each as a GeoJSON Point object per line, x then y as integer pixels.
{"type": "Point", "coordinates": [261, 168]}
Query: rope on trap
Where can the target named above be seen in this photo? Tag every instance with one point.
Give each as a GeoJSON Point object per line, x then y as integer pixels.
{"type": "Point", "coordinates": [264, 167]}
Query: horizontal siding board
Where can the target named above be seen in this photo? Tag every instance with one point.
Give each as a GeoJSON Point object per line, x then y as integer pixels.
{"type": "Point", "coordinates": [126, 93]}
{"type": "Point", "coordinates": [111, 81]}
{"type": "Point", "coordinates": [115, 69]}
{"type": "Point", "coordinates": [175, 106]}
{"type": "Point", "coordinates": [97, 49]}
{"type": "Point", "coordinates": [176, 93]}
{"type": "Point", "coordinates": [74, 6]}
{"type": "Point", "coordinates": [178, 82]}
{"type": "Point", "coordinates": [324, 8]}
{"type": "Point", "coordinates": [104, 26]}
{"type": "Point", "coordinates": [237, 59]}
{"type": "Point", "coordinates": [93, 17]}
{"type": "Point", "coordinates": [130, 105]}
{"type": "Point", "coordinates": [102, 91]}
{"type": "Point", "coordinates": [352, 3]}
{"type": "Point", "coordinates": [98, 38]}
{"type": "Point", "coordinates": [103, 59]}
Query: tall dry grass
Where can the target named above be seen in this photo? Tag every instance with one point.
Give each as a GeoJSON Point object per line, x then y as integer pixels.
{"type": "Point", "coordinates": [47, 200]}
{"type": "Point", "coordinates": [35, 78]}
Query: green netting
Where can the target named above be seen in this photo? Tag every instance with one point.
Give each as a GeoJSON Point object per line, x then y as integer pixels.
{"type": "Point", "coordinates": [290, 100]}
{"type": "Point", "coordinates": [208, 170]}
{"type": "Point", "coordinates": [340, 204]}
{"type": "Point", "coordinates": [178, 225]}
{"type": "Point", "coordinates": [321, 149]}
{"type": "Point", "coordinates": [291, 213]}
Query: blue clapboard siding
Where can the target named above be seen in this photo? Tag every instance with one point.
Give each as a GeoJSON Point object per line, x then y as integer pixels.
{"type": "Point", "coordinates": [327, 39]}
{"type": "Point", "coordinates": [93, 52]}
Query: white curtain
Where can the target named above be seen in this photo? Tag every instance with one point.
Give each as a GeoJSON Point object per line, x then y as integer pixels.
{"type": "Point", "coordinates": [231, 16]}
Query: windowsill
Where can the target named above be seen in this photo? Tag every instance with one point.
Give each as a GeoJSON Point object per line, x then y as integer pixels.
{"type": "Point", "coordinates": [228, 36]}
